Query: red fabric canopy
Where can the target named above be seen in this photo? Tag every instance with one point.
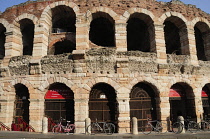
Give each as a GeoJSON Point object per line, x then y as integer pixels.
{"type": "Point", "coordinates": [175, 93]}
{"type": "Point", "coordinates": [204, 93]}
{"type": "Point", "coordinates": [60, 94]}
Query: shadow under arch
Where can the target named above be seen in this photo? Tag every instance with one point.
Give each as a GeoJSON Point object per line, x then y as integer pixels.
{"type": "Point", "coordinates": [144, 103]}
{"type": "Point", "coordinates": [59, 102]}
{"type": "Point", "coordinates": [21, 103]}
{"type": "Point", "coordinates": [103, 105]}
{"type": "Point", "coordinates": [182, 102]}
{"type": "Point", "coordinates": [205, 94]}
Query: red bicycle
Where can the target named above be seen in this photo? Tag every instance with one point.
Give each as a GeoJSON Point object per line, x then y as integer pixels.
{"type": "Point", "coordinates": [59, 128]}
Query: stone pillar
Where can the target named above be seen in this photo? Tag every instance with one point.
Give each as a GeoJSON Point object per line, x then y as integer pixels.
{"type": "Point", "coordinates": [121, 36]}
{"type": "Point", "coordinates": [81, 113]}
{"type": "Point", "coordinates": [160, 44]}
{"type": "Point", "coordinates": [164, 108]}
{"type": "Point", "coordinates": [181, 120]}
{"type": "Point", "coordinates": [192, 46]}
{"type": "Point", "coordinates": [82, 33]}
{"type": "Point", "coordinates": [40, 46]}
{"type": "Point", "coordinates": [7, 111]}
{"type": "Point", "coordinates": [124, 115]}
{"type": "Point", "coordinates": [36, 111]}
{"type": "Point", "coordinates": [45, 125]}
{"type": "Point", "coordinates": [135, 126]}
{"type": "Point", "coordinates": [87, 123]}
{"type": "Point", "coordinates": [198, 108]}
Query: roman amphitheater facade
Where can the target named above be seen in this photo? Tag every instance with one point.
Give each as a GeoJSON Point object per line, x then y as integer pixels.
{"type": "Point", "coordinates": [110, 60]}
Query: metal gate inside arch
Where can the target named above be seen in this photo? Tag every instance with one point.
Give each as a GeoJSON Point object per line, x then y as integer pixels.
{"type": "Point", "coordinates": [102, 104]}
{"type": "Point", "coordinates": [59, 102]}
{"type": "Point", "coordinates": [142, 106]}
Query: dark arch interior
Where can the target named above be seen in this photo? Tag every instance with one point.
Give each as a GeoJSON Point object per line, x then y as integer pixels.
{"type": "Point", "coordinates": [199, 38]}
{"type": "Point", "coordinates": [138, 37]}
{"type": "Point", "coordinates": [2, 41]}
{"type": "Point", "coordinates": [56, 108]}
{"type": "Point", "coordinates": [27, 30]}
{"type": "Point", "coordinates": [205, 101]}
{"type": "Point", "coordinates": [64, 19]}
{"type": "Point", "coordinates": [102, 104]}
{"type": "Point", "coordinates": [184, 105]}
{"type": "Point", "coordinates": [64, 46]}
{"type": "Point", "coordinates": [102, 30]}
{"type": "Point", "coordinates": [21, 103]}
{"type": "Point", "coordinates": [172, 38]}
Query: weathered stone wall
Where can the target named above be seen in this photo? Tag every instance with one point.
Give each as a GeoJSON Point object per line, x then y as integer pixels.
{"type": "Point", "coordinates": [86, 67]}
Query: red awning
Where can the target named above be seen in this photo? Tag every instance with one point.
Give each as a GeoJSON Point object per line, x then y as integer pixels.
{"type": "Point", "coordinates": [204, 93]}
{"type": "Point", "coordinates": [60, 94]}
{"type": "Point", "coordinates": [175, 93]}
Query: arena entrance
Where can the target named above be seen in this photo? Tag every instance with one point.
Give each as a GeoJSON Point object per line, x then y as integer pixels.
{"type": "Point", "coordinates": [182, 102]}
{"type": "Point", "coordinates": [21, 109]}
{"type": "Point", "coordinates": [59, 102]}
{"type": "Point", "coordinates": [205, 101]}
{"type": "Point", "coordinates": [102, 104]}
{"type": "Point", "coordinates": [143, 104]}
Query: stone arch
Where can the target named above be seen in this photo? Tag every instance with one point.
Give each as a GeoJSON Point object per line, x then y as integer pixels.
{"type": "Point", "coordinates": [21, 81]}
{"type": "Point", "coordinates": [109, 81]}
{"type": "Point", "coordinates": [166, 15]}
{"type": "Point", "coordinates": [131, 11]}
{"type": "Point", "coordinates": [202, 39]}
{"type": "Point", "coordinates": [199, 19]}
{"type": "Point", "coordinates": [176, 33]}
{"type": "Point", "coordinates": [45, 84]}
{"type": "Point", "coordinates": [45, 19]}
{"type": "Point", "coordinates": [26, 16]}
{"type": "Point", "coordinates": [100, 9]}
{"type": "Point", "coordinates": [6, 24]}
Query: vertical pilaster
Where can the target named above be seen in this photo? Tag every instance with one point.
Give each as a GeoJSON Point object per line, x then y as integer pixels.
{"type": "Point", "coordinates": [160, 44]}
{"type": "Point", "coordinates": [36, 110]}
{"type": "Point", "coordinates": [121, 36]}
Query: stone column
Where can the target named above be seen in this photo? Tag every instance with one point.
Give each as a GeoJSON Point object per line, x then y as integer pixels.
{"type": "Point", "coordinates": [124, 115]}
{"type": "Point", "coordinates": [121, 36]}
{"type": "Point", "coordinates": [192, 45]}
{"type": "Point", "coordinates": [36, 111]}
{"type": "Point", "coordinates": [7, 112]}
{"type": "Point", "coordinates": [160, 44]}
{"type": "Point", "coordinates": [40, 46]}
{"type": "Point", "coordinates": [81, 113]}
{"type": "Point", "coordinates": [164, 108]}
{"type": "Point", "coordinates": [82, 33]}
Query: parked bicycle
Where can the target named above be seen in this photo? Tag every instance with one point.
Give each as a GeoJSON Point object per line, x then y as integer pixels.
{"type": "Point", "coordinates": [101, 127]}
{"type": "Point", "coordinates": [188, 125]}
{"type": "Point", "coordinates": [204, 124]}
{"type": "Point", "coordinates": [59, 128]}
{"type": "Point", "coordinates": [156, 126]}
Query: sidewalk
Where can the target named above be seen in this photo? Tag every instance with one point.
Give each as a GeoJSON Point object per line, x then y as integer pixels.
{"type": "Point", "coordinates": [31, 135]}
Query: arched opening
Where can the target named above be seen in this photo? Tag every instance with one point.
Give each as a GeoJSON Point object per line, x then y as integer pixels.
{"type": "Point", "coordinates": [140, 29]}
{"type": "Point", "coordinates": [2, 41]}
{"type": "Point", "coordinates": [102, 30]}
{"type": "Point", "coordinates": [63, 19]}
{"type": "Point", "coordinates": [143, 104]}
{"type": "Point", "coordinates": [182, 102]}
{"type": "Point", "coordinates": [59, 102]}
{"type": "Point", "coordinates": [103, 105]}
{"type": "Point", "coordinates": [27, 30]}
{"type": "Point", "coordinates": [61, 47]}
{"type": "Point", "coordinates": [21, 109]}
{"type": "Point", "coordinates": [205, 94]}
{"type": "Point", "coordinates": [175, 32]}
{"type": "Point", "coordinates": [201, 37]}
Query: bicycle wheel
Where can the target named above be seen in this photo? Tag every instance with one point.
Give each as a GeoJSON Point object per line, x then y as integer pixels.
{"type": "Point", "coordinates": [56, 129]}
{"type": "Point", "coordinates": [161, 127]}
{"type": "Point", "coordinates": [70, 128]}
{"type": "Point", "coordinates": [93, 129]}
{"type": "Point", "coordinates": [203, 126]}
{"type": "Point", "coordinates": [177, 127]}
{"type": "Point", "coordinates": [147, 129]}
{"type": "Point", "coordinates": [193, 127]}
{"type": "Point", "coordinates": [109, 128]}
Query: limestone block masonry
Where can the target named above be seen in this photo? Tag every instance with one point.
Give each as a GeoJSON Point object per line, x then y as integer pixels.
{"type": "Point", "coordinates": [38, 51]}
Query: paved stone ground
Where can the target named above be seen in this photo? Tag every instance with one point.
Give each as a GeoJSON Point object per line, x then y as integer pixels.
{"type": "Point", "coordinates": [27, 135]}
